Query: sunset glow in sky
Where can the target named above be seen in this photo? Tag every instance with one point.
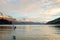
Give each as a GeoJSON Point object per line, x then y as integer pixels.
{"type": "Point", "coordinates": [33, 10]}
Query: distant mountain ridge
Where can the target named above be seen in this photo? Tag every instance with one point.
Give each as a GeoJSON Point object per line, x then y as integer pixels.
{"type": "Point", "coordinates": [56, 21]}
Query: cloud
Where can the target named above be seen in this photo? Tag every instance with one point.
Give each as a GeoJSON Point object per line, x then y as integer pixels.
{"type": "Point", "coordinates": [26, 6]}
{"type": "Point", "coordinates": [6, 1]}
{"type": "Point", "coordinates": [2, 2]}
{"type": "Point", "coordinates": [57, 0]}
{"type": "Point", "coordinates": [44, 9]}
{"type": "Point", "coordinates": [53, 10]}
{"type": "Point", "coordinates": [52, 13]}
{"type": "Point", "coordinates": [31, 7]}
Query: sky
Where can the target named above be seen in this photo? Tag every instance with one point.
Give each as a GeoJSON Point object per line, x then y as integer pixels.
{"type": "Point", "coordinates": [32, 10]}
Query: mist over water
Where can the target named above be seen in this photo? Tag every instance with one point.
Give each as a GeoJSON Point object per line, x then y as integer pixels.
{"type": "Point", "coordinates": [31, 32]}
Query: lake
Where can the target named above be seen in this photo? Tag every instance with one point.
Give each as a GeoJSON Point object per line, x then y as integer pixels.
{"type": "Point", "coordinates": [31, 32]}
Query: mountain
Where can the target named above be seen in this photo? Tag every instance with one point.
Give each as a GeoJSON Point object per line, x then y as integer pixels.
{"type": "Point", "coordinates": [6, 19]}
{"type": "Point", "coordinates": [29, 23]}
{"type": "Point", "coordinates": [56, 21]}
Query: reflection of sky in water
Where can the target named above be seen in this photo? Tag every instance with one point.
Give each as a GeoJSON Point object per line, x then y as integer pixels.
{"type": "Point", "coordinates": [31, 31]}
{"type": "Point", "coordinates": [37, 30]}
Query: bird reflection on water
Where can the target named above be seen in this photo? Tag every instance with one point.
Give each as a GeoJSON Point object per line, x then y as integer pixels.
{"type": "Point", "coordinates": [14, 37]}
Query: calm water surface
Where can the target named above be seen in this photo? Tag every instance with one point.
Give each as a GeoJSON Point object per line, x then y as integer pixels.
{"type": "Point", "coordinates": [31, 32]}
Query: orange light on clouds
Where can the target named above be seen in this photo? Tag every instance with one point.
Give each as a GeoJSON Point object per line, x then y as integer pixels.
{"type": "Point", "coordinates": [57, 0]}
{"type": "Point", "coordinates": [52, 11]}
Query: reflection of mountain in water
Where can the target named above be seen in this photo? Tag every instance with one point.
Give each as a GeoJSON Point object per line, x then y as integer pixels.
{"type": "Point", "coordinates": [57, 29]}
{"type": "Point", "coordinates": [56, 21]}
